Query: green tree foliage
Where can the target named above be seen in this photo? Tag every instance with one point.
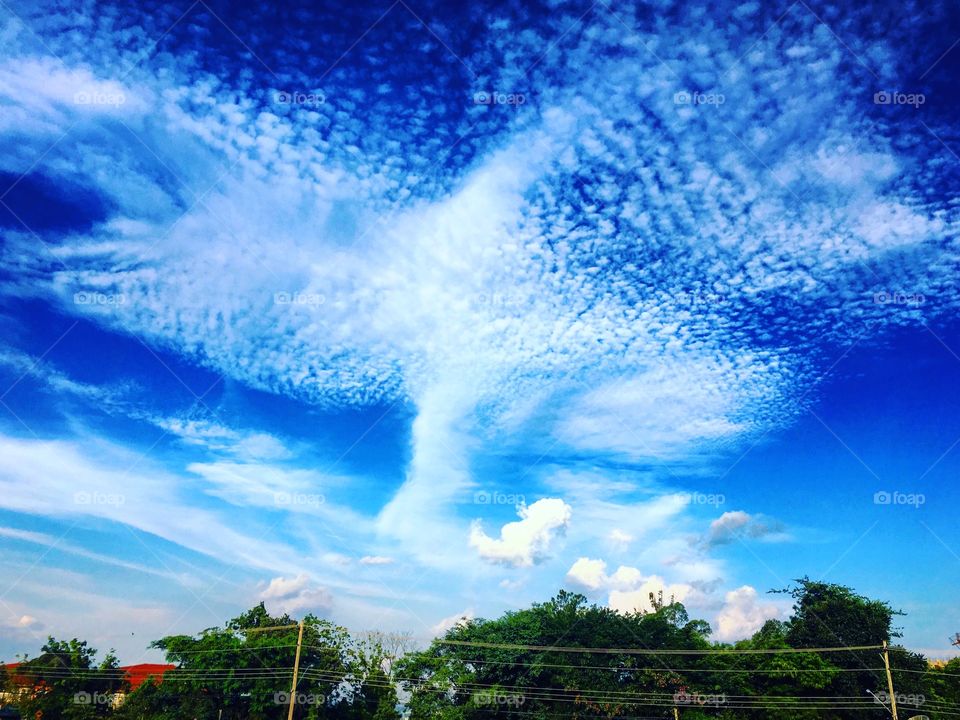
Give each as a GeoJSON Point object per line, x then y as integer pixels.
{"type": "Point", "coordinates": [943, 683]}
{"type": "Point", "coordinates": [7, 709]}
{"type": "Point", "coordinates": [829, 615]}
{"type": "Point", "coordinates": [479, 669]}
{"type": "Point", "coordinates": [452, 681]}
{"type": "Point", "coordinates": [374, 695]}
{"type": "Point", "coordinates": [750, 677]}
{"type": "Point", "coordinates": [244, 670]}
{"type": "Point", "coordinates": [65, 681]}
{"type": "Point", "coordinates": [731, 681]}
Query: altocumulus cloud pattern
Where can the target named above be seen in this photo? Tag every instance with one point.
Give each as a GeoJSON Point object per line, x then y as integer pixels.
{"type": "Point", "coordinates": [579, 253]}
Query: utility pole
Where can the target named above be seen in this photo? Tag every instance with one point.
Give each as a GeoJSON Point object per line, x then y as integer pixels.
{"type": "Point", "coordinates": [886, 665]}
{"type": "Point", "coordinates": [676, 714]}
{"type": "Point", "coordinates": [296, 669]}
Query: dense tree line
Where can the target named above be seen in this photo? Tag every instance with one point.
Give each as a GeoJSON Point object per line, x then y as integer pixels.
{"type": "Point", "coordinates": [521, 665]}
{"type": "Point", "coordinates": [759, 678]}
{"type": "Point", "coordinates": [242, 670]}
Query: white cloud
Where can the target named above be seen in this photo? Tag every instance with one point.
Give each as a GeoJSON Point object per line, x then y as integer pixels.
{"type": "Point", "coordinates": [647, 512]}
{"type": "Point", "coordinates": [376, 560]}
{"type": "Point", "coordinates": [247, 445]}
{"type": "Point", "coordinates": [94, 611]}
{"type": "Point", "coordinates": [281, 587]}
{"type": "Point", "coordinates": [449, 622]}
{"type": "Point", "coordinates": [661, 412]}
{"type": "Point", "coordinates": [890, 224]}
{"type": "Point", "coordinates": [737, 523]}
{"type": "Point", "coordinates": [53, 92]}
{"type": "Point", "coordinates": [625, 578]}
{"type": "Point", "coordinates": [525, 542]}
{"type": "Point", "coordinates": [619, 539]}
{"type": "Point", "coordinates": [588, 573]}
{"type": "Point", "coordinates": [62, 479]}
{"type": "Point", "coordinates": [262, 484]}
{"type": "Point", "coordinates": [61, 545]}
{"type": "Point", "coordinates": [629, 588]}
{"type": "Point", "coordinates": [723, 528]}
{"type": "Point", "coordinates": [520, 288]}
{"type": "Point", "coordinates": [638, 599]}
{"type": "Point", "coordinates": [743, 614]}
{"type": "Point", "coordinates": [24, 622]}
{"type": "Point", "coordinates": [418, 513]}
{"type": "Point", "coordinates": [300, 593]}
{"type": "Point", "coordinates": [105, 397]}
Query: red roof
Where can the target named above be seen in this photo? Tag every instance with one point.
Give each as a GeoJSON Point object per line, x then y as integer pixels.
{"type": "Point", "coordinates": [137, 674]}
{"type": "Point", "coordinates": [12, 673]}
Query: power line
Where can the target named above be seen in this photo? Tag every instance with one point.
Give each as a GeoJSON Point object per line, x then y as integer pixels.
{"type": "Point", "coordinates": [931, 671]}
{"type": "Point", "coordinates": [171, 673]}
{"type": "Point", "coordinates": [645, 651]}
{"type": "Point", "coordinates": [225, 675]}
{"type": "Point", "coordinates": [622, 668]}
{"type": "Point", "coordinates": [823, 702]}
{"type": "Point", "coordinates": [330, 675]}
{"type": "Point", "coordinates": [565, 695]}
{"type": "Point", "coordinates": [257, 648]}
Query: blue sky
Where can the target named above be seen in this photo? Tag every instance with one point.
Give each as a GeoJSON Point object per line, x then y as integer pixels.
{"type": "Point", "coordinates": [409, 312]}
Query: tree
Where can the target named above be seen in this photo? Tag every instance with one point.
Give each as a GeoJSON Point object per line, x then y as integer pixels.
{"type": "Point", "coordinates": [390, 646]}
{"type": "Point", "coordinates": [661, 658]}
{"type": "Point", "coordinates": [830, 615]}
{"type": "Point", "coordinates": [5, 689]}
{"type": "Point", "coordinates": [451, 681]}
{"type": "Point", "coordinates": [154, 701]}
{"type": "Point", "coordinates": [752, 677]}
{"type": "Point", "coordinates": [943, 683]}
{"type": "Point", "coordinates": [65, 681]}
{"type": "Point", "coordinates": [376, 693]}
{"type": "Point", "coordinates": [244, 670]}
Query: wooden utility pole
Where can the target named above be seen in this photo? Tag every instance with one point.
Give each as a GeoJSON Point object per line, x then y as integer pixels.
{"type": "Point", "coordinates": [893, 697]}
{"type": "Point", "coordinates": [296, 669]}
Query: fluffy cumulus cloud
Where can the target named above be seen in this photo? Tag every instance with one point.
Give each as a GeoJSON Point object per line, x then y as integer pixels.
{"type": "Point", "coordinates": [645, 592]}
{"type": "Point", "coordinates": [449, 622]}
{"type": "Point", "coordinates": [588, 573]}
{"type": "Point", "coordinates": [527, 541]}
{"type": "Point", "coordinates": [629, 589]}
{"type": "Point", "coordinates": [296, 595]}
{"type": "Point", "coordinates": [743, 613]}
